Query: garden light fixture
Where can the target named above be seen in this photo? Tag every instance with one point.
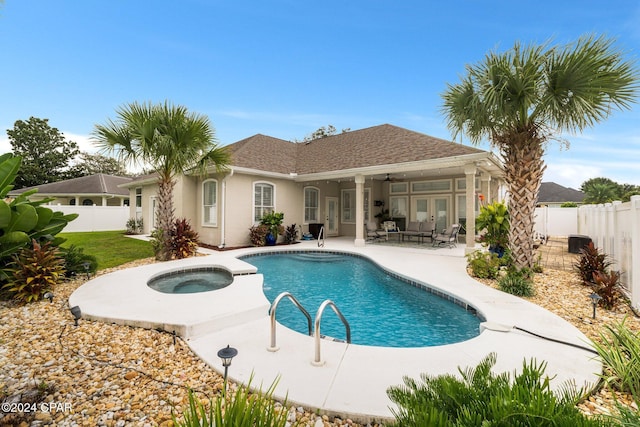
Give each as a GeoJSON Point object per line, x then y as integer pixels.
{"type": "Point", "coordinates": [49, 296]}
{"type": "Point", "coordinates": [86, 266]}
{"type": "Point", "coordinates": [75, 310]}
{"type": "Point", "coordinates": [226, 355]}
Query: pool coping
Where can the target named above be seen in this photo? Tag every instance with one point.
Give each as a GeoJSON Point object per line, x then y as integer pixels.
{"type": "Point", "coordinates": [352, 381]}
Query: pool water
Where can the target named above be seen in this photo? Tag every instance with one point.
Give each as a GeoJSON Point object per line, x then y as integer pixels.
{"type": "Point", "coordinates": [382, 310]}
{"type": "Point", "coordinates": [191, 281]}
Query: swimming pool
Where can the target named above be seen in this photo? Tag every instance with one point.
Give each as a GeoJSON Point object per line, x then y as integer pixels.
{"type": "Point", "coordinates": [382, 310]}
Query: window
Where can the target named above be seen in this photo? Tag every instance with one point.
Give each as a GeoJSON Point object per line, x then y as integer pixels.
{"type": "Point", "coordinates": [398, 187]}
{"type": "Point", "coordinates": [349, 205]}
{"type": "Point", "coordinates": [431, 186]}
{"type": "Point", "coordinates": [311, 204]}
{"type": "Point", "coordinates": [210, 202]}
{"type": "Point", "coordinates": [263, 200]}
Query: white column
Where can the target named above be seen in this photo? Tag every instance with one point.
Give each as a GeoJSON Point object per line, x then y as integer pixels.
{"type": "Point", "coordinates": [485, 186]}
{"type": "Point", "coordinates": [359, 210]}
{"type": "Point", "coordinates": [470, 174]}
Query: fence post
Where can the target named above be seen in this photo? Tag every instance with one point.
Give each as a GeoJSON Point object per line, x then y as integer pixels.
{"type": "Point", "coordinates": [634, 273]}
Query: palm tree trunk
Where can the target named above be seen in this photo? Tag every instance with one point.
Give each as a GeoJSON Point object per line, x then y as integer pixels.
{"type": "Point", "coordinates": [164, 216]}
{"type": "Point", "coordinates": [524, 168]}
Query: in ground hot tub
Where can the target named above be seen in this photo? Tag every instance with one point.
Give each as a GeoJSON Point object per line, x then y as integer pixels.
{"type": "Point", "coordinates": [193, 280]}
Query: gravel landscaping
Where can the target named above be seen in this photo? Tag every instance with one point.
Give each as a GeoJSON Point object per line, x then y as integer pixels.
{"type": "Point", "coordinates": [100, 374]}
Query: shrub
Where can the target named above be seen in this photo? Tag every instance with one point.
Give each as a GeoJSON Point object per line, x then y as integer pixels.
{"type": "Point", "coordinates": [607, 286]}
{"type": "Point", "coordinates": [135, 226]}
{"type": "Point", "coordinates": [482, 398]}
{"type": "Point", "coordinates": [273, 221]}
{"type": "Point", "coordinates": [243, 409]}
{"type": "Point", "coordinates": [75, 259]}
{"type": "Point", "coordinates": [619, 349]}
{"type": "Point", "coordinates": [257, 234]}
{"type": "Point", "coordinates": [517, 282]}
{"type": "Point", "coordinates": [291, 234]}
{"type": "Point", "coordinates": [494, 220]}
{"type": "Point", "coordinates": [591, 261]}
{"type": "Point", "coordinates": [156, 243]}
{"type": "Point", "coordinates": [184, 240]}
{"type": "Point", "coordinates": [34, 272]}
{"type": "Point", "coordinates": [484, 265]}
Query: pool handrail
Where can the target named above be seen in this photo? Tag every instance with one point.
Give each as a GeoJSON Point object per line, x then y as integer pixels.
{"type": "Point", "coordinates": [316, 328]}
{"type": "Point", "coordinates": [321, 237]}
{"type": "Point", "coordinates": [272, 315]}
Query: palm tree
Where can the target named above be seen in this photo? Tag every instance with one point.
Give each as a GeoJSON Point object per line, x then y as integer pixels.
{"type": "Point", "coordinates": [170, 140]}
{"type": "Point", "coordinates": [528, 95]}
{"type": "Point", "coordinates": [601, 190]}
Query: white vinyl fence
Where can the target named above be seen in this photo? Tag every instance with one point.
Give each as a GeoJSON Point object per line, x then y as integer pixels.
{"type": "Point", "coordinates": [95, 218]}
{"type": "Point", "coordinates": [558, 222]}
{"type": "Point", "coordinates": [615, 230]}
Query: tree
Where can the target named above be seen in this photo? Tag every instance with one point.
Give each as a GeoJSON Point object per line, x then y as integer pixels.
{"type": "Point", "coordinates": [604, 190]}
{"type": "Point", "coordinates": [600, 190]}
{"type": "Point", "coordinates": [322, 132]}
{"type": "Point", "coordinates": [91, 164]}
{"type": "Point", "coordinates": [171, 140]}
{"type": "Point", "coordinates": [528, 95]}
{"type": "Point", "coordinates": [45, 153]}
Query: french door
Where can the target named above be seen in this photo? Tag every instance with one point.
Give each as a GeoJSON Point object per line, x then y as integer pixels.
{"type": "Point", "coordinates": [431, 208]}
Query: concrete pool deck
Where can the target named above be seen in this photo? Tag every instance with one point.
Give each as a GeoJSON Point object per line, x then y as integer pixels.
{"type": "Point", "coordinates": [353, 379]}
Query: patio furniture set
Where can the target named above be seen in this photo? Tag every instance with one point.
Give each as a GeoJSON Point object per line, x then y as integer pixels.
{"type": "Point", "coordinates": [421, 230]}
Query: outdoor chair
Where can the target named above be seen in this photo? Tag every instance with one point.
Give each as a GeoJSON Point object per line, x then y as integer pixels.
{"type": "Point", "coordinates": [372, 232]}
{"type": "Point", "coordinates": [428, 229]}
{"type": "Point", "coordinates": [448, 237]}
{"type": "Point", "coordinates": [413, 229]}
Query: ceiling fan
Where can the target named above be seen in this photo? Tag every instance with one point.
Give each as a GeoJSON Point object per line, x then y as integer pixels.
{"type": "Point", "coordinates": [389, 179]}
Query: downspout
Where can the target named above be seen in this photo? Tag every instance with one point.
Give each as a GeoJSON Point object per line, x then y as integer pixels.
{"type": "Point", "coordinates": [223, 211]}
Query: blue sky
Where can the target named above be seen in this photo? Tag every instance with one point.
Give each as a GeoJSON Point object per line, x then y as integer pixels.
{"type": "Point", "coordinates": [285, 68]}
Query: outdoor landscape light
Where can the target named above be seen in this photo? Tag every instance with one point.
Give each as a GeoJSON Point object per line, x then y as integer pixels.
{"type": "Point", "coordinates": [594, 301]}
{"type": "Point", "coordinates": [75, 310]}
{"type": "Point", "coordinates": [226, 355]}
{"type": "Point", "coordinates": [49, 296]}
{"type": "Point", "coordinates": [86, 266]}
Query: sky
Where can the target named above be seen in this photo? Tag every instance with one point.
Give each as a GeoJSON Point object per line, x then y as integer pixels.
{"type": "Point", "coordinates": [285, 68]}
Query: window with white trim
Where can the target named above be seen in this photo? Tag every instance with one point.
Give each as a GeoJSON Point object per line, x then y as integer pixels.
{"type": "Point", "coordinates": [263, 199]}
{"type": "Point", "coordinates": [311, 204]}
{"type": "Point", "coordinates": [210, 202]}
{"type": "Point", "coordinates": [349, 205]}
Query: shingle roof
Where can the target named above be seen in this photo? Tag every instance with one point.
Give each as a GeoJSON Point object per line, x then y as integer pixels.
{"type": "Point", "coordinates": [550, 192]}
{"type": "Point", "coordinates": [378, 145]}
{"type": "Point", "coordinates": [93, 184]}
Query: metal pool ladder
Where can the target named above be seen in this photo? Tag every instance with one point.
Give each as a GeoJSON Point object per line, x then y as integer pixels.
{"type": "Point", "coordinates": [272, 315]}
{"type": "Point", "coordinates": [316, 328]}
{"type": "Point", "coordinates": [321, 237]}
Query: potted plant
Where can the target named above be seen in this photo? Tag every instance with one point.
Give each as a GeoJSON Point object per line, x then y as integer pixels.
{"type": "Point", "coordinates": [493, 222]}
{"type": "Point", "coordinates": [273, 221]}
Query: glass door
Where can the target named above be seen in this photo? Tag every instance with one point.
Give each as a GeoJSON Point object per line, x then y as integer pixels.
{"type": "Point", "coordinates": [332, 216]}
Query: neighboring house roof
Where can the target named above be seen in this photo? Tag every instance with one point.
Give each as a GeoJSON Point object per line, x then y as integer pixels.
{"type": "Point", "coordinates": [379, 145]}
{"type": "Point", "coordinates": [93, 184]}
{"type": "Point", "coordinates": [550, 192]}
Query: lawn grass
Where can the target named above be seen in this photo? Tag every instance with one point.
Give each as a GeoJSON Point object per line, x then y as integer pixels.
{"type": "Point", "coordinates": [111, 248]}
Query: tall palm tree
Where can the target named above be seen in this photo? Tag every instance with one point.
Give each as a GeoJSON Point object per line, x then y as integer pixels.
{"type": "Point", "coordinates": [170, 140]}
{"type": "Point", "coordinates": [528, 95]}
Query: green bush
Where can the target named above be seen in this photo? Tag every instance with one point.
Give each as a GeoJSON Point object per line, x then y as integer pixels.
{"type": "Point", "coordinates": [484, 265]}
{"type": "Point", "coordinates": [619, 349]}
{"type": "Point", "coordinates": [75, 259]}
{"type": "Point", "coordinates": [35, 271]}
{"type": "Point", "coordinates": [243, 409]}
{"type": "Point", "coordinates": [482, 398]}
{"type": "Point", "coordinates": [517, 282]}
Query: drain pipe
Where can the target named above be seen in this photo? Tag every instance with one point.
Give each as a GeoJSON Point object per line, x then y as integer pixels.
{"type": "Point", "coordinates": [223, 211]}
{"type": "Point", "coordinates": [497, 327]}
